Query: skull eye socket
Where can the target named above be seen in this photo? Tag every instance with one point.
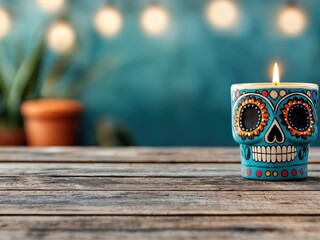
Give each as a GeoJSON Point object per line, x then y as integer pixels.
{"type": "Point", "coordinates": [298, 118]}
{"type": "Point", "coordinates": [251, 117]}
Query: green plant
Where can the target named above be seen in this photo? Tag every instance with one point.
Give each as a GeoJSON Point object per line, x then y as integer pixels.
{"type": "Point", "coordinates": [23, 81]}
{"type": "Point", "coordinates": [23, 86]}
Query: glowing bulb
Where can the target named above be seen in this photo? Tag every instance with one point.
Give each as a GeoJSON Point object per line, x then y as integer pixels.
{"type": "Point", "coordinates": [108, 21]}
{"type": "Point", "coordinates": [292, 21]}
{"type": "Point", "coordinates": [222, 14]}
{"type": "Point", "coordinates": [276, 78]}
{"type": "Point", "coordinates": [155, 20]}
{"type": "Point", "coordinates": [51, 6]}
{"type": "Point", "coordinates": [61, 37]}
{"type": "Point", "coordinates": [5, 22]}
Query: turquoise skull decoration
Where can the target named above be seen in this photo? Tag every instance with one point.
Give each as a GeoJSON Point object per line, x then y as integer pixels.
{"type": "Point", "coordinates": [274, 128]}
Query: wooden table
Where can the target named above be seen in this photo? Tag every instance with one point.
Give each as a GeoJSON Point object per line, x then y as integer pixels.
{"type": "Point", "coordinates": [142, 193]}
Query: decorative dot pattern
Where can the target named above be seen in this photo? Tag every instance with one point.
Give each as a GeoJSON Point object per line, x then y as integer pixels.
{"type": "Point", "coordinates": [282, 93]}
{"type": "Point", "coordinates": [284, 173]}
{"type": "Point", "coordinates": [276, 174]}
{"type": "Point", "coordinates": [274, 94]}
{"type": "Point", "coordinates": [264, 93]}
{"type": "Point", "coordinates": [294, 172]}
{"type": "Point", "coordinates": [259, 173]}
{"type": "Point", "coordinates": [301, 171]}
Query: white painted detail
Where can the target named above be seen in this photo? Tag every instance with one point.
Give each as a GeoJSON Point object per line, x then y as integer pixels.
{"type": "Point", "coordinates": [274, 153]}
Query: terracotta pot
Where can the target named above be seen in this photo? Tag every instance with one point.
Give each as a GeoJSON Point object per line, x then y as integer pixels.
{"type": "Point", "coordinates": [12, 136]}
{"type": "Point", "coordinates": [51, 122]}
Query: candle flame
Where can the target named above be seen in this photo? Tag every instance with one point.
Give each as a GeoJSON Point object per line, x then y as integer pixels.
{"type": "Point", "coordinates": [275, 78]}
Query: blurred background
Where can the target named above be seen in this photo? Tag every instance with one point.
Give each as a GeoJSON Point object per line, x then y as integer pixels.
{"type": "Point", "coordinates": [153, 72]}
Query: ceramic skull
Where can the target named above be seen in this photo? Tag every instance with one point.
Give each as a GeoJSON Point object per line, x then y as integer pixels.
{"type": "Point", "coordinates": [274, 128]}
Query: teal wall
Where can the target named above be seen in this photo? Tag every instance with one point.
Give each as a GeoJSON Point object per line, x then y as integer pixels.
{"type": "Point", "coordinates": [173, 90]}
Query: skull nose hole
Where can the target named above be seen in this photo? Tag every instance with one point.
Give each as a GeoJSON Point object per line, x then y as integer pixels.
{"type": "Point", "coordinates": [274, 134]}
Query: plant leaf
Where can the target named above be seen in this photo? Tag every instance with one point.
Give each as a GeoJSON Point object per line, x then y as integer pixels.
{"type": "Point", "coordinates": [32, 89]}
{"type": "Point", "coordinates": [50, 85]}
{"type": "Point", "coordinates": [3, 94]}
{"type": "Point", "coordinates": [24, 83]}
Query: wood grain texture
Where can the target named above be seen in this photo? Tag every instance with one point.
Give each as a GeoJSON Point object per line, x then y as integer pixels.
{"type": "Point", "coordinates": [159, 202]}
{"type": "Point", "coordinates": [148, 193]}
{"type": "Point", "coordinates": [135, 177]}
{"type": "Point", "coordinates": [134, 155]}
{"type": "Point", "coordinates": [152, 235]}
{"type": "Point", "coordinates": [126, 169]}
{"type": "Point", "coordinates": [217, 183]}
{"type": "Point", "coordinates": [154, 227]}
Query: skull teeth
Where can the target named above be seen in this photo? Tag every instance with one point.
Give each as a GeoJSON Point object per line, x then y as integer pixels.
{"type": "Point", "coordinates": [274, 154]}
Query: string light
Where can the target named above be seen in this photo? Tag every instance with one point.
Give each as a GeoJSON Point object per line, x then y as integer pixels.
{"type": "Point", "coordinates": [5, 22]}
{"type": "Point", "coordinates": [292, 20]}
{"type": "Point", "coordinates": [51, 6]}
{"type": "Point", "coordinates": [61, 37]}
{"type": "Point", "coordinates": [222, 14]}
{"type": "Point", "coordinates": [108, 21]}
{"type": "Point", "coordinates": [155, 20]}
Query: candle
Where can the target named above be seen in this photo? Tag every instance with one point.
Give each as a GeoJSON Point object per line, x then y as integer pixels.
{"type": "Point", "coordinates": [274, 123]}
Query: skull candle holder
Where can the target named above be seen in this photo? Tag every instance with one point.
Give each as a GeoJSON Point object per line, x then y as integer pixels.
{"type": "Point", "coordinates": [274, 125]}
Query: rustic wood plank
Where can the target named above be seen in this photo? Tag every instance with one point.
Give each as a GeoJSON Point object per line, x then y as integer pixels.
{"type": "Point", "coordinates": [231, 182]}
{"type": "Point", "coordinates": [114, 169]}
{"type": "Point", "coordinates": [262, 223]}
{"type": "Point", "coordinates": [159, 202]}
{"type": "Point", "coordinates": [125, 169]}
{"type": "Point", "coordinates": [93, 154]}
{"type": "Point", "coordinates": [152, 235]}
{"type": "Point", "coordinates": [80, 193]}
{"type": "Point", "coordinates": [133, 154]}
{"type": "Point", "coordinates": [140, 227]}
{"type": "Point", "coordinates": [134, 177]}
